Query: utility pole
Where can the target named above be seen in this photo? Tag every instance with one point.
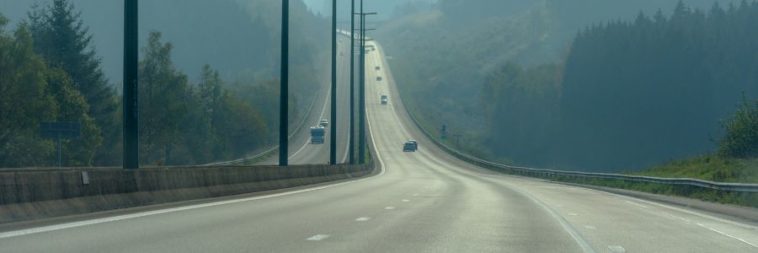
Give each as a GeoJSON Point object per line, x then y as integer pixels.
{"type": "Point", "coordinates": [351, 144]}
{"type": "Point", "coordinates": [283, 86]}
{"type": "Point", "coordinates": [362, 93]}
{"type": "Point", "coordinates": [131, 88]}
{"type": "Point", "coordinates": [333, 136]}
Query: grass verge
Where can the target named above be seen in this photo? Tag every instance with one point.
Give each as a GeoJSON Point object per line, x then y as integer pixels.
{"type": "Point", "coordinates": [708, 167]}
{"type": "Point", "coordinates": [711, 195]}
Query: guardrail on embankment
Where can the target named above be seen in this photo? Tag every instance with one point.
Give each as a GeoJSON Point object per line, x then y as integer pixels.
{"type": "Point", "coordinates": [272, 150]}
{"type": "Point", "coordinates": [678, 186]}
{"type": "Point", "coordinates": [34, 193]}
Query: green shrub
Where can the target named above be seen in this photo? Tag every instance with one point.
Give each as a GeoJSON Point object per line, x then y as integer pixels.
{"type": "Point", "coordinates": [741, 139]}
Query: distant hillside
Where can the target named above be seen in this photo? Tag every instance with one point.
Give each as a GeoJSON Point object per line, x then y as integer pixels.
{"type": "Point", "coordinates": [444, 57]}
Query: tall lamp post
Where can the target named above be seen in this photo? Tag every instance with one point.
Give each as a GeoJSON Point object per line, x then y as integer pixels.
{"type": "Point", "coordinates": [362, 88]}
{"type": "Point", "coordinates": [131, 88]}
{"type": "Point", "coordinates": [284, 86]}
{"type": "Point", "coordinates": [351, 144]}
{"type": "Point", "coordinates": [333, 132]}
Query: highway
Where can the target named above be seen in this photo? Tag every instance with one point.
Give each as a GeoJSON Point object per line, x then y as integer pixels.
{"type": "Point", "coordinates": [425, 201]}
{"type": "Point", "coordinates": [301, 151]}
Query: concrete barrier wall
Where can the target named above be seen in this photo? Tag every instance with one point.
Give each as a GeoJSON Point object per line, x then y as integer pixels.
{"type": "Point", "coordinates": [40, 193]}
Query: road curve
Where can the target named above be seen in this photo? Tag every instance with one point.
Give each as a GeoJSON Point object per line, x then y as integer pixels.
{"type": "Point", "coordinates": [301, 151]}
{"type": "Point", "coordinates": [421, 202]}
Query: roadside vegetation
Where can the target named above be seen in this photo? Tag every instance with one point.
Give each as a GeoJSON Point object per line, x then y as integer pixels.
{"type": "Point", "coordinates": [618, 95]}
{"type": "Point", "coordinates": [50, 71]}
{"type": "Point", "coordinates": [708, 167]}
{"type": "Point", "coordinates": [560, 86]}
{"type": "Point", "coordinates": [737, 156]}
{"type": "Point", "coordinates": [734, 198]}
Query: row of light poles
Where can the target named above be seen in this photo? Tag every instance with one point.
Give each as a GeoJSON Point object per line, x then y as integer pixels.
{"type": "Point", "coordinates": [130, 85]}
{"type": "Point", "coordinates": [362, 91]}
{"type": "Point", "coordinates": [283, 155]}
{"type": "Point", "coordinates": [362, 87]}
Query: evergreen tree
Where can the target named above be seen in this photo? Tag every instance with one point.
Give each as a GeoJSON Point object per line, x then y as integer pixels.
{"type": "Point", "coordinates": [163, 105]}
{"type": "Point", "coordinates": [32, 93]}
{"type": "Point", "coordinates": [637, 94]}
{"type": "Point", "coordinates": [741, 138]}
{"type": "Point", "coordinates": [24, 101]}
{"type": "Point", "coordinates": [62, 39]}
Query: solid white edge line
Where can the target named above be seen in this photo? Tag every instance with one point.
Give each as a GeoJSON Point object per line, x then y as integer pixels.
{"type": "Point", "coordinates": [30, 231]}
{"type": "Point", "coordinates": [323, 111]}
{"type": "Point", "coordinates": [563, 222]}
{"type": "Point", "coordinates": [674, 208]}
{"type": "Point", "coordinates": [50, 228]}
{"type": "Point", "coordinates": [727, 235]}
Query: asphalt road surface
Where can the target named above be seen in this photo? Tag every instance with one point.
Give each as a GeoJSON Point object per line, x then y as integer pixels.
{"type": "Point", "coordinates": [301, 150]}
{"type": "Point", "coordinates": [421, 202]}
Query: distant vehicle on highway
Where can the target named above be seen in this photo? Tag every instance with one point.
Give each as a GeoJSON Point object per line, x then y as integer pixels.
{"type": "Point", "coordinates": [410, 146]}
{"type": "Point", "coordinates": [378, 68]}
{"type": "Point", "coordinates": [317, 135]}
{"type": "Point", "coordinates": [384, 99]}
{"type": "Point", "coordinates": [378, 78]}
{"type": "Point", "coordinates": [323, 123]}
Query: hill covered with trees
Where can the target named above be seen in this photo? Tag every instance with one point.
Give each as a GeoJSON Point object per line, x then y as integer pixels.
{"type": "Point", "coordinates": [621, 94]}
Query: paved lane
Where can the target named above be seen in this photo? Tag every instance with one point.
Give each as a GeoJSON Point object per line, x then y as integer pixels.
{"type": "Point", "coordinates": [421, 202]}
{"type": "Point", "coordinates": [301, 151]}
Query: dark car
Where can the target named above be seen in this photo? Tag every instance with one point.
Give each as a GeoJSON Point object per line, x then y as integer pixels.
{"type": "Point", "coordinates": [410, 146]}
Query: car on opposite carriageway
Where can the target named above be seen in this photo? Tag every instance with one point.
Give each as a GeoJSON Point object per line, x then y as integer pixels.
{"type": "Point", "coordinates": [410, 146]}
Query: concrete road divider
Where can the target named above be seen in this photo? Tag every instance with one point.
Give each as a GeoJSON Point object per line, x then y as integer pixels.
{"type": "Point", "coordinates": [34, 193]}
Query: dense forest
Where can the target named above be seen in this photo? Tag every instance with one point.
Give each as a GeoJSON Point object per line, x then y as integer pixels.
{"type": "Point", "coordinates": [655, 89]}
{"type": "Point", "coordinates": [51, 71]}
{"type": "Point", "coordinates": [624, 95]}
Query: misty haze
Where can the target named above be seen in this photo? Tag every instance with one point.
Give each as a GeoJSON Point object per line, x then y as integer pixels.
{"type": "Point", "coordinates": [378, 126]}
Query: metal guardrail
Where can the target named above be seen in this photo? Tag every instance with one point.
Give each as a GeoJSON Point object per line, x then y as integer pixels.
{"type": "Point", "coordinates": [553, 174]}
{"type": "Point", "coordinates": [273, 149]}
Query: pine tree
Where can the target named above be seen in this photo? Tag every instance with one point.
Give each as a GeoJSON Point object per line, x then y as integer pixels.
{"type": "Point", "coordinates": [62, 39]}
{"type": "Point", "coordinates": [165, 102]}
{"type": "Point", "coordinates": [24, 100]}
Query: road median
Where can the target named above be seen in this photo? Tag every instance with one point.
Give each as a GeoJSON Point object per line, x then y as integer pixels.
{"type": "Point", "coordinates": [37, 193]}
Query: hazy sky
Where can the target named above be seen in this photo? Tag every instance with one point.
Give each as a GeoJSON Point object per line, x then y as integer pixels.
{"type": "Point", "coordinates": [385, 8]}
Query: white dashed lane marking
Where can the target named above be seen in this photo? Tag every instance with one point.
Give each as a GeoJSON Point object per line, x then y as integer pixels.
{"type": "Point", "coordinates": [405, 200]}
{"type": "Point", "coordinates": [363, 219]}
{"type": "Point", "coordinates": [616, 249]}
{"type": "Point", "coordinates": [389, 208]}
{"type": "Point", "coordinates": [318, 237]}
